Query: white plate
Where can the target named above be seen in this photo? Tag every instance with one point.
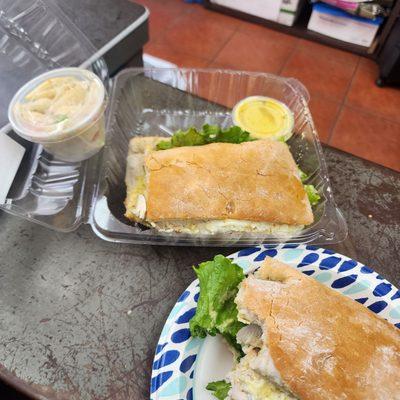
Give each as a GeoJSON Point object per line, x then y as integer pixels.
{"type": "Point", "coordinates": [183, 365]}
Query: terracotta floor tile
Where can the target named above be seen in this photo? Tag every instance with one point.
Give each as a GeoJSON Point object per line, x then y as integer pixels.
{"type": "Point", "coordinates": [162, 15]}
{"type": "Point", "coordinates": [255, 53]}
{"type": "Point", "coordinates": [175, 57]}
{"type": "Point", "coordinates": [257, 30]}
{"type": "Point", "coordinates": [368, 136]}
{"type": "Point", "coordinates": [196, 35]}
{"type": "Point", "coordinates": [368, 125]}
{"type": "Point", "coordinates": [320, 50]}
{"type": "Point", "coordinates": [218, 18]}
{"type": "Point", "coordinates": [214, 64]}
{"type": "Point", "coordinates": [364, 94]}
{"type": "Point", "coordinates": [176, 6]}
{"type": "Point", "coordinates": [321, 75]}
{"type": "Point", "coordinates": [324, 113]}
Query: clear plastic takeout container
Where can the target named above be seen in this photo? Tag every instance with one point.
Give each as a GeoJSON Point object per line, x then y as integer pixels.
{"type": "Point", "coordinates": [79, 140]}
{"type": "Point", "coordinates": [154, 102]}
{"type": "Point", "coordinates": [36, 36]}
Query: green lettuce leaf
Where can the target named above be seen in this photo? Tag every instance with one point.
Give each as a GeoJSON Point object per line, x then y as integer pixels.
{"type": "Point", "coordinates": [313, 195]}
{"type": "Point", "coordinates": [211, 131]}
{"type": "Point", "coordinates": [303, 175]}
{"type": "Point", "coordinates": [208, 134]}
{"type": "Point", "coordinates": [220, 389]}
{"type": "Point", "coordinates": [164, 145]}
{"type": "Point", "coordinates": [216, 310]}
{"type": "Point", "coordinates": [234, 134]}
{"type": "Point", "coordinates": [191, 137]}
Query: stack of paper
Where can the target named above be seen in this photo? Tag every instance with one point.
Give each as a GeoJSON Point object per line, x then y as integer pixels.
{"type": "Point", "coordinates": [336, 23]}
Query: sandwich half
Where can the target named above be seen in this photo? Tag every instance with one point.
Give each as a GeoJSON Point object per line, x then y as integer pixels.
{"type": "Point", "coordinates": [299, 339]}
{"type": "Point", "coordinates": [253, 186]}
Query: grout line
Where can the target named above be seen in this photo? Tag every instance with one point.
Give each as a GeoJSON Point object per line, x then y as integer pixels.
{"type": "Point", "coordinates": [335, 122]}
{"type": "Point", "coordinates": [175, 21]}
{"type": "Point", "coordinates": [289, 58]}
{"type": "Point", "coordinates": [352, 78]}
{"type": "Point", "coordinates": [342, 104]}
{"type": "Point", "coordinates": [234, 31]}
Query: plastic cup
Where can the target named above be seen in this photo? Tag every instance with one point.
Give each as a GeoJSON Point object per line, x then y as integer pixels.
{"type": "Point", "coordinates": [79, 140]}
{"type": "Point", "coordinates": [284, 128]}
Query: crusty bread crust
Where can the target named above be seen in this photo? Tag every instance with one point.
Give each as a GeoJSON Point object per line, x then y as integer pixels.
{"type": "Point", "coordinates": [253, 181]}
{"type": "Point", "coordinates": [324, 345]}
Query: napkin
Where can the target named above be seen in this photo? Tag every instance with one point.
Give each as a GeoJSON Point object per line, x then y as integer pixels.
{"type": "Point", "coordinates": [11, 154]}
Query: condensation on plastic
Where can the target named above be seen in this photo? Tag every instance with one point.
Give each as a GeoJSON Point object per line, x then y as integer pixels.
{"type": "Point", "coordinates": [154, 102]}
{"type": "Point", "coordinates": [36, 36]}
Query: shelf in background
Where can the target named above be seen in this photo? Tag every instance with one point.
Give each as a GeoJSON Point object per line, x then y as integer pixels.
{"type": "Point", "coordinates": [299, 29]}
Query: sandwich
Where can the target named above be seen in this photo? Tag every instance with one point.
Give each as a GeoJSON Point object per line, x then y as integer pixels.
{"type": "Point", "coordinates": [216, 180]}
{"type": "Point", "coordinates": [294, 338]}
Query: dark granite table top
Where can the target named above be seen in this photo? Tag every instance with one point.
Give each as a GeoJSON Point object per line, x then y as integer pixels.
{"type": "Point", "coordinates": [65, 298]}
{"type": "Point", "coordinates": [101, 20]}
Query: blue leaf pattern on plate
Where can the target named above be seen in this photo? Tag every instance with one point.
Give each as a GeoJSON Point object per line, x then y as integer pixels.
{"type": "Point", "coordinates": [366, 270]}
{"type": "Point", "coordinates": [186, 317]}
{"type": "Point", "coordinates": [180, 336]}
{"type": "Point", "coordinates": [266, 253]}
{"type": "Point", "coordinates": [327, 251]}
{"type": "Point", "coordinates": [248, 252]}
{"type": "Point", "coordinates": [347, 265]}
{"type": "Point", "coordinates": [183, 296]}
{"type": "Point", "coordinates": [187, 363]}
{"type": "Point", "coordinates": [159, 380]}
{"type": "Point", "coordinates": [382, 289]}
{"type": "Point", "coordinates": [378, 306]}
{"type": "Point", "coordinates": [329, 262]}
{"type": "Point", "coordinates": [160, 347]}
{"type": "Point", "coordinates": [343, 282]}
{"type": "Point", "coordinates": [290, 246]}
{"type": "Point", "coordinates": [396, 295]}
{"type": "Point", "coordinates": [166, 358]}
{"type": "Point", "coordinates": [309, 259]}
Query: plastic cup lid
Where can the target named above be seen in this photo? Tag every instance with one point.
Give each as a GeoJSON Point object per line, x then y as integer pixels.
{"type": "Point", "coordinates": [55, 136]}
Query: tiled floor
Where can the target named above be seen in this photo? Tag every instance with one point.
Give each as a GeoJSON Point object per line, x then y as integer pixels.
{"type": "Point", "coordinates": [350, 111]}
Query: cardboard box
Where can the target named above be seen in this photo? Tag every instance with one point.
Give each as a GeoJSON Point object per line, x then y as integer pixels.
{"type": "Point", "coordinates": [331, 21]}
{"type": "Point", "coordinates": [282, 11]}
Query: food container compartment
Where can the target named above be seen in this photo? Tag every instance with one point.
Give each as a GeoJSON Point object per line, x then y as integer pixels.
{"type": "Point", "coordinates": [157, 102]}
{"type": "Point", "coordinates": [36, 36]}
{"type": "Point", "coordinates": [144, 102]}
